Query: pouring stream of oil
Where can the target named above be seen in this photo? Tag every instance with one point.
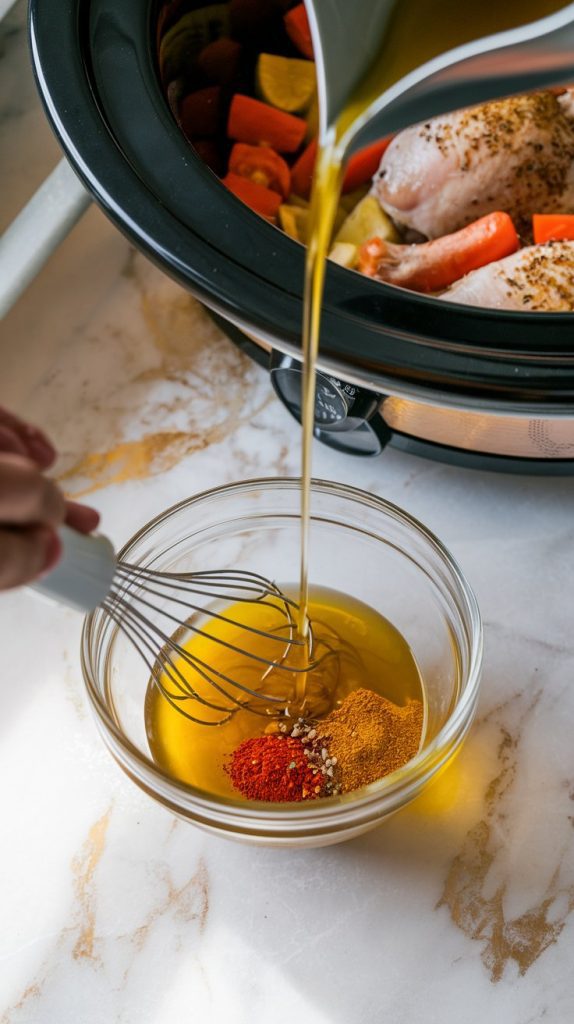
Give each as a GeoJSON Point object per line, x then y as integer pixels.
{"type": "Point", "coordinates": [416, 31]}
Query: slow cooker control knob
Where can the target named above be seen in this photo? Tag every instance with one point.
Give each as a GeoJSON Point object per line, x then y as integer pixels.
{"type": "Point", "coordinates": [330, 404]}
{"type": "Point", "coordinates": [346, 417]}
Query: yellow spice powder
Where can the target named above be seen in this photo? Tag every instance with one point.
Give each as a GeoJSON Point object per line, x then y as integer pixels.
{"type": "Point", "coordinates": [371, 737]}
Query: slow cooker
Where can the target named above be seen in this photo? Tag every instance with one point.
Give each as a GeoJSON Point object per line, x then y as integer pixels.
{"type": "Point", "coordinates": [484, 387]}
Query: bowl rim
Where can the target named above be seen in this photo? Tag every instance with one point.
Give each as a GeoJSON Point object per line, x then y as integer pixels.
{"type": "Point", "coordinates": [235, 262]}
{"type": "Point", "coordinates": [425, 763]}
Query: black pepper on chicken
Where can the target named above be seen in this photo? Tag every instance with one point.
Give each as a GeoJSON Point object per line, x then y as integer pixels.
{"type": "Point", "coordinates": [514, 154]}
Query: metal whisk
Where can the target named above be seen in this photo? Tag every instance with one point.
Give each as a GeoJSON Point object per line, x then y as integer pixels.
{"type": "Point", "coordinates": [156, 610]}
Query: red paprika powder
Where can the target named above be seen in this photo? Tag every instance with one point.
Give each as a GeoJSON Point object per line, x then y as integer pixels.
{"type": "Point", "coordinates": [274, 768]}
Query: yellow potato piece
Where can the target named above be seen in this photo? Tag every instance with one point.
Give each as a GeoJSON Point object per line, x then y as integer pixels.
{"type": "Point", "coordinates": [295, 221]}
{"type": "Point", "coordinates": [366, 221]}
{"type": "Point", "coordinates": [184, 40]}
{"type": "Point", "coordinates": [344, 254]}
{"type": "Point", "coordinates": [285, 82]}
{"type": "Point", "coordinates": [340, 218]}
{"type": "Point", "coordinates": [352, 199]}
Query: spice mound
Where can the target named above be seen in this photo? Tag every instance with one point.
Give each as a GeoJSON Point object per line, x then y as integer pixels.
{"type": "Point", "coordinates": [364, 739]}
{"type": "Point", "coordinates": [273, 768]}
{"type": "Point", "coordinates": [371, 737]}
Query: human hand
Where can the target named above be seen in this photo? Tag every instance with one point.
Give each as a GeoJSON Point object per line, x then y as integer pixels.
{"type": "Point", "coordinates": [31, 505]}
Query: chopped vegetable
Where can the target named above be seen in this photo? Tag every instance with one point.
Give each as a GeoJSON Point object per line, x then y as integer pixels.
{"type": "Point", "coordinates": [200, 112]}
{"type": "Point", "coordinates": [184, 40]}
{"type": "Point", "coordinates": [302, 171]}
{"type": "Point", "coordinates": [262, 200]}
{"type": "Point", "coordinates": [258, 123]}
{"type": "Point", "coordinates": [285, 82]}
{"type": "Point", "coordinates": [219, 61]}
{"type": "Point", "coordinates": [262, 165]}
{"type": "Point", "coordinates": [363, 165]}
{"type": "Point", "coordinates": [553, 227]}
{"type": "Point", "coordinates": [295, 222]}
{"type": "Point", "coordinates": [352, 199]}
{"type": "Point", "coordinates": [435, 265]}
{"type": "Point", "coordinates": [365, 221]}
{"type": "Point", "coordinates": [344, 254]}
{"type": "Point", "coordinates": [298, 30]}
{"type": "Point", "coordinates": [298, 201]}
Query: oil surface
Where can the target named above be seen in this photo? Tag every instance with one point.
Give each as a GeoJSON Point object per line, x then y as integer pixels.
{"type": "Point", "coordinates": [371, 653]}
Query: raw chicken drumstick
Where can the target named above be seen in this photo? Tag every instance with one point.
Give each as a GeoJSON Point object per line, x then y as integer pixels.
{"type": "Point", "coordinates": [515, 155]}
{"type": "Point", "coordinates": [539, 278]}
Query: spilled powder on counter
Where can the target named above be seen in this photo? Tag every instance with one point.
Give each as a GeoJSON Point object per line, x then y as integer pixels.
{"type": "Point", "coordinates": [370, 737]}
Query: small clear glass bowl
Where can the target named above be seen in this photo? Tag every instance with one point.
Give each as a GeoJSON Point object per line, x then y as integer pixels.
{"type": "Point", "coordinates": [360, 545]}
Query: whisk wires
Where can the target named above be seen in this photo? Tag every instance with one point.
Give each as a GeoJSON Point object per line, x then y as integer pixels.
{"type": "Point", "coordinates": [159, 611]}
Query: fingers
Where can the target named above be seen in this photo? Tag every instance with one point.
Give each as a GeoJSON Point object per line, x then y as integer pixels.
{"type": "Point", "coordinates": [26, 496]}
{"type": "Point", "coordinates": [27, 554]}
{"type": "Point", "coordinates": [10, 442]}
{"type": "Point", "coordinates": [25, 439]}
{"type": "Point", "coordinates": [31, 508]}
{"type": "Point", "coordinates": [81, 517]}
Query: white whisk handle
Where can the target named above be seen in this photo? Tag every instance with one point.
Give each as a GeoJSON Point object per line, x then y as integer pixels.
{"type": "Point", "coordinates": [84, 575]}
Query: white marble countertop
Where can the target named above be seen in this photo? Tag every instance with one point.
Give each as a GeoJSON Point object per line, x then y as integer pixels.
{"type": "Point", "coordinates": [459, 909]}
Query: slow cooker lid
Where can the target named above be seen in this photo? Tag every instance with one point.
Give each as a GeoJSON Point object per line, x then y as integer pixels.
{"type": "Point", "coordinates": [95, 64]}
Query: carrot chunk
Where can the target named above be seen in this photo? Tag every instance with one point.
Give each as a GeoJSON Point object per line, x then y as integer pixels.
{"type": "Point", "coordinates": [433, 266]}
{"type": "Point", "coordinates": [262, 200]}
{"type": "Point", "coordinates": [258, 123]}
{"type": "Point", "coordinates": [553, 227]}
{"type": "Point", "coordinates": [302, 171]}
{"type": "Point", "coordinates": [262, 165]}
{"type": "Point", "coordinates": [297, 27]}
{"type": "Point", "coordinates": [363, 165]}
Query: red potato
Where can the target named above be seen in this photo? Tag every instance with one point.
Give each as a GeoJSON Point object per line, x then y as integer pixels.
{"type": "Point", "coordinates": [200, 112]}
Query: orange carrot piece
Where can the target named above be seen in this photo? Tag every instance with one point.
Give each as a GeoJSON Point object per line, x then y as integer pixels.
{"type": "Point", "coordinates": [256, 122]}
{"type": "Point", "coordinates": [553, 227]}
{"type": "Point", "coordinates": [262, 165]}
{"type": "Point", "coordinates": [262, 200]}
{"type": "Point", "coordinates": [363, 165]}
{"type": "Point", "coordinates": [200, 112]}
{"type": "Point", "coordinates": [302, 171]}
{"type": "Point", "coordinates": [432, 266]}
{"type": "Point", "coordinates": [297, 27]}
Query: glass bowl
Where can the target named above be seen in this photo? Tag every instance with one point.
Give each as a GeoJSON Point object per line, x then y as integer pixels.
{"type": "Point", "coordinates": [360, 545]}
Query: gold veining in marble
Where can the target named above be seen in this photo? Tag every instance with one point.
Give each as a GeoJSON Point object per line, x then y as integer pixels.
{"type": "Point", "coordinates": [29, 994]}
{"type": "Point", "coordinates": [78, 939]}
{"type": "Point", "coordinates": [480, 912]}
{"type": "Point", "coordinates": [83, 869]}
{"type": "Point", "coordinates": [133, 460]}
{"type": "Point", "coordinates": [193, 391]}
{"type": "Point", "coordinates": [188, 902]}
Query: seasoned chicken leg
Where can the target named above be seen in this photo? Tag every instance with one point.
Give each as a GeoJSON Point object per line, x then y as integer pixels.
{"type": "Point", "coordinates": [539, 278]}
{"type": "Point", "coordinates": [515, 155]}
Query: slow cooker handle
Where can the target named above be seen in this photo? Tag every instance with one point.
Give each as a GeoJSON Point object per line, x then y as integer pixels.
{"type": "Point", "coordinates": [38, 229]}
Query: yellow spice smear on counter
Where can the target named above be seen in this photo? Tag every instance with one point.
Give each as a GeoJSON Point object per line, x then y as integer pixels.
{"type": "Point", "coordinates": [363, 707]}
